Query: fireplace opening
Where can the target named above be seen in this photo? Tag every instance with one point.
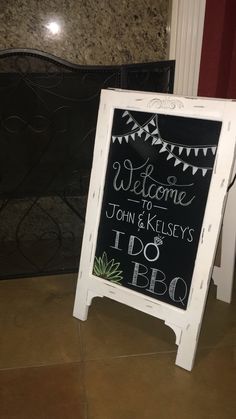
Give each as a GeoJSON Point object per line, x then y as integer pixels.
{"type": "Point", "coordinates": [48, 113]}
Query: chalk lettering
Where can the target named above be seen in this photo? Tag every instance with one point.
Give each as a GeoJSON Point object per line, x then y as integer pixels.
{"type": "Point", "coordinates": [157, 282]}
{"type": "Point", "coordinates": [152, 223]}
{"type": "Point", "coordinates": [139, 276]}
{"type": "Point", "coordinates": [157, 285]}
{"type": "Point", "coordinates": [147, 187]}
{"type": "Point", "coordinates": [139, 246]}
{"type": "Point", "coordinates": [117, 240]}
{"type": "Point", "coordinates": [178, 286]}
{"type": "Point", "coordinates": [120, 214]}
{"type": "Point", "coordinates": [113, 208]}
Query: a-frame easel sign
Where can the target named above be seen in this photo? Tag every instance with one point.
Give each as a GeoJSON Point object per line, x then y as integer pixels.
{"type": "Point", "coordinates": [157, 193]}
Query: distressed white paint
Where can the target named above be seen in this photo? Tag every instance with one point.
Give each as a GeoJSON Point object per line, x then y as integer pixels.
{"type": "Point", "coordinates": [186, 33]}
{"type": "Point", "coordinates": [223, 275]}
{"type": "Point", "coordinates": [185, 324]}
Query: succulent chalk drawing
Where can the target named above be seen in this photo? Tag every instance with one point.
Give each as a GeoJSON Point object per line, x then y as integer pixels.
{"type": "Point", "coordinates": [107, 269]}
{"type": "Point", "coordinates": [158, 175]}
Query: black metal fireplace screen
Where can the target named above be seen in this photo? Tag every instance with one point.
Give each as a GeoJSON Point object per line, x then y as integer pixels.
{"type": "Point", "coordinates": [48, 112]}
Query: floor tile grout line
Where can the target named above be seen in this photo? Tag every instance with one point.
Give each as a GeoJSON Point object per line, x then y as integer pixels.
{"type": "Point", "coordinates": [110, 358]}
{"type": "Point", "coordinates": [138, 355]}
{"type": "Point", "coordinates": [82, 352]}
{"type": "Point", "coordinates": [82, 362]}
{"type": "Point", "coordinates": [147, 354]}
{"type": "Point", "coordinates": [37, 366]}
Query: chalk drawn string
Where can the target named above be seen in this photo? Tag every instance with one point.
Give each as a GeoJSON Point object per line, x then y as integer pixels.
{"type": "Point", "coordinates": [167, 146]}
{"type": "Point", "coordinates": [154, 120]}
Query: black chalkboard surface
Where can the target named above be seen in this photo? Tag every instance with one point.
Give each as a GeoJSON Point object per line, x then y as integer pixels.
{"type": "Point", "coordinates": [157, 181]}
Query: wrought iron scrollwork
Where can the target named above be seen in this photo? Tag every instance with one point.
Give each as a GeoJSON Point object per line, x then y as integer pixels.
{"type": "Point", "coordinates": [48, 112]}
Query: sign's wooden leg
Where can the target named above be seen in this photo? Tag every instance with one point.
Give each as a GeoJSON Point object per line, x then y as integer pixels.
{"type": "Point", "coordinates": [83, 300]}
{"type": "Point", "coordinates": [82, 303]}
{"type": "Point", "coordinates": [187, 347]}
{"type": "Point", "coordinates": [223, 276]}
{"type": "Point", "coordinates": [81, 308]}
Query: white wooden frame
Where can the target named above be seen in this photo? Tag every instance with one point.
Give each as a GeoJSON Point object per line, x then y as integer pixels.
{"type": "Point", "coordinates": [186, 324]}
{"type": "Point", "coordinates": [223, 275]}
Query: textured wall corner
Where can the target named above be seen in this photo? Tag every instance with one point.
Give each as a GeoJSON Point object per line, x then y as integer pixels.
{"type": "Point", "coordinates": [91, 31]}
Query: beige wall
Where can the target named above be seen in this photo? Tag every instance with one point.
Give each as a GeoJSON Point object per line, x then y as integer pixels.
{"type": "Point", "coordinates": [92, 31]}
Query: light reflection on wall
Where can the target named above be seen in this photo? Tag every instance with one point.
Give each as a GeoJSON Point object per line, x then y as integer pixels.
{"type": "Point", "coordinates": [53, 27]}
{"type": "Point", "coordinates": [88, 32]}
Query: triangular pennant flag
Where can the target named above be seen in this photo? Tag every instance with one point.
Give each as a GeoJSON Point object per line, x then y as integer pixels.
{"type": "Point", "coordinates": [172, 147]}
{"type": "Point", "coordinates": [188, 151]}
{"type": "Point", "coordinates": [113, 138]}
{"type": "Point", "coordinates": [156, 141]}
{"type": "Point", "coordinates": [180, 150]}
{"type": "Point", "coordinates": [196, 150]}
{"type": "Point", "coordinates": [147, 136]}
{"type": "Point", "coordinates": [213, 149]}
{"type": "Point", "coordinates": [133, 136]}
{"type": "Point", "coordinates": [185, 166]}
{"type": "Point", "coordinates": [177, 162]}
{"type": "Point", "coordinates": [125, 113]}
{"type": "Point", "coordinates": [129, 120]}
{"type": "Point", "coordinates": [155, 131]}
{"type": "Point", "coordinates": [163, 148]}
{"type": "Point", "coordinates": [140, 132]}
{"type": "Point", "coordinates": [204, 172]}
{"type": "Point", "coordinates": [205, 151]}
{"type": "Point", "coordinates": [146, 128]}
{"type": "Point", "coordinates": [127, 138]}
{"type": "Point", "coordinates": [170, 156]}
{"type": "Point", "coordinates": [152, 122]}
{"type": "Point", "coordinates": [194, 170]}
{"type": "Point", "coordinates": [135, 126]}
{"type": "Point", "coordinates": [119, 139]}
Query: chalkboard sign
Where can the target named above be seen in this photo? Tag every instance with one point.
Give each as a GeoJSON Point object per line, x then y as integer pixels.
{"type": "Point", "coordinates": [158, 188]}
{"type": "Point", "coordinates": [157, 181]}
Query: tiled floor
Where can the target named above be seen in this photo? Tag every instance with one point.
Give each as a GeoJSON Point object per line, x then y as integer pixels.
{"type": "Point", "coordinates": [119, 364]}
